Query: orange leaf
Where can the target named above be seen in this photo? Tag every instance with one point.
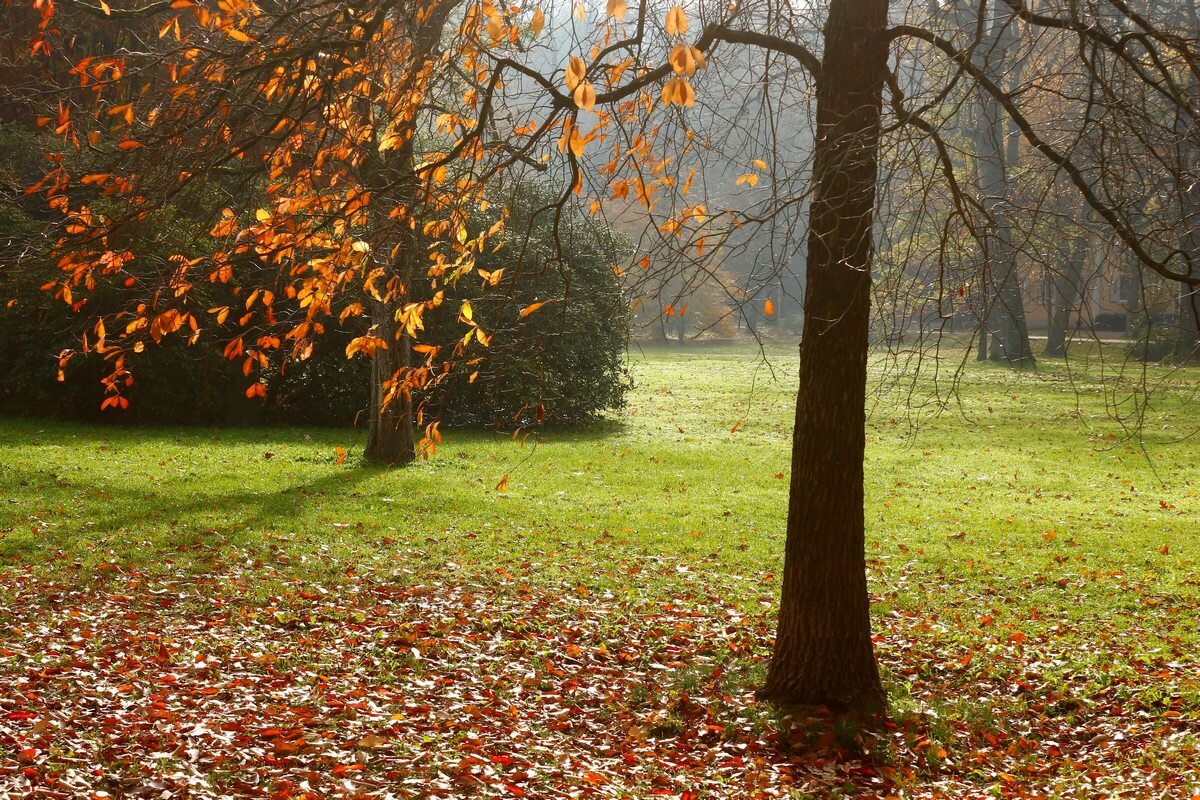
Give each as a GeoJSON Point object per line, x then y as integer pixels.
{"type": "Point", "coordinates": [532, 307]}
{"type": "Point", "coordinates": [585, 96]}
{"type": "Point", "coordinates": [676, 21]}
{"type": "Point", "coordinates": [769, 308]}
{"type": "Point", "coordinates": [576, 72]}
{"type": "Point", "coordinates": [502, 486]}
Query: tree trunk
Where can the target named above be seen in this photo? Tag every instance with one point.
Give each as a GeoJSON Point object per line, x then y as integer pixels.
{"type": "Point", "coordinates": [1187, 339]}
{"type": "Point", "coordinates": [981, 347]}
{"type": "Point", "coordinates": [1068, 288]}
{"type": "Point", "coordinates": [823, 653]}
{"type": "Point", "coordinates": [1005, 312]}
{"type": "Point", "coordinates": [390, 438]}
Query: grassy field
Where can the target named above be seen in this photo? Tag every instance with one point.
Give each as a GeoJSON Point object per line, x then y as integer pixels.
{"type": "Point", "coordinates": [1033, 566]}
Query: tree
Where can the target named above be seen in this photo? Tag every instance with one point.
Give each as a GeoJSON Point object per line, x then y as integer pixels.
{"type": "Point", "coordinates": [823, 652]}
{"type": "Point", "coordinates": [1004, 313]}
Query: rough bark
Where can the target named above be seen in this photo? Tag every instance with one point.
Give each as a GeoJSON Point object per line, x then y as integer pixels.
{"type": "Point", "coordinates": [390, 438]}
{"type": "Point", "coordinates": [390, 435]}
{"type": "Point", "coordinates": [823, 652]}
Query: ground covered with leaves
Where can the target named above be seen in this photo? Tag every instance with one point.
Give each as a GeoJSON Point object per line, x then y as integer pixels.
{"type": "Point", "coordinates": [136, 687]}
{"type": "Point", "coordinates": [236, 614]}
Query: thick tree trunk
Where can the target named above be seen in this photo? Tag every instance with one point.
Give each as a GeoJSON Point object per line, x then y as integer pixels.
{"type": "Point", "coordinates": [823, 653]}
{"type": "Point", "coordinates": [1068, 288]}
{"type": "Point", "coordinates": [1187, 341]}
{"type": "Point", "coordinates": [390, 435]}
{"type": "Point", "coordinates": [1005, 312]}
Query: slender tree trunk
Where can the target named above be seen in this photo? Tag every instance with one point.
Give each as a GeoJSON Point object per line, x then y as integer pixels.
{"type": "Point", "coordinates": [985, 301]}
{"type": "Point", "coordinates": [823, 652]}
{"type": "Point", "coordinates": [1068, 287]}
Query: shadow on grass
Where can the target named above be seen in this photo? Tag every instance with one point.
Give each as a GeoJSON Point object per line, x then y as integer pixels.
{"type": "Point", "coordinates": [34, 432]}
{"type": "Point", "coordinates": [153, 523]}
{"type": "Point", "coordinates": [72, 490]}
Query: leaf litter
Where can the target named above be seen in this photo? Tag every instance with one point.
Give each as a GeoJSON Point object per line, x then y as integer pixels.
{"type": "Point", "coordinates": [184, 686]}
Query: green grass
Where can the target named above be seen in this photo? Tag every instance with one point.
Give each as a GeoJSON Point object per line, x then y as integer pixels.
{"type": "Point", "coordinates": [1024, 492]}
{"type": "Point", "coordinates": [1032, 560]}
{"type": "Point", "coordinates": [1013, 457]}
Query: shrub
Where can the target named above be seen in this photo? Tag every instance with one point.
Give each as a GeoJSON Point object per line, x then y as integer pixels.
{"type": "Point", "coordinates": [566, 357]}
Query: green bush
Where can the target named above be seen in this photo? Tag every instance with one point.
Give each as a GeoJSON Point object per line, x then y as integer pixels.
{"type": "Point", "coordinates": [566, 359]}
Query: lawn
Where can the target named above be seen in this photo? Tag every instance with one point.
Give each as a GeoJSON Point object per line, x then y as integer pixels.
{"type": "Point", "coordinates": [211, 613]}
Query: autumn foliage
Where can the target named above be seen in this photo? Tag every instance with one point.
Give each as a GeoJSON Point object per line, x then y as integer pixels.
{"type": "Point", "coordinates": [335, 156]}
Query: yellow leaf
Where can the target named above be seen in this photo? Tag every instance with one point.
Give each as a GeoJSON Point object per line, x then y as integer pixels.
{"type": "Point", "coordinates": [688, 94]}
{"type": "Point", "coordinates": [618, 9]}
{"type": "Point", "coordinates": [585, 96]}
{"type": "Point", "coordinates": [750, 178]}
{"type": "Point", "coordinates": [580, 11]}
{"type": "Point", "coordinates": [262, 215]}
{"type": "Point", "coordinates": [360, 247]}
{"type": "Point", "coordinates": [466, 311]}
{"type": "Point", "coordinates": [682, 60]}
{"type": "Point", "coordinates": [366, 345]}
{"type": "Point", "coordinates": [668, 92]}
{"type": "Point", "coordinates": [532, 307]}
{"type": "Point", "coordinates": [538, 22]}
{"type": "Point", "coordinates": [676, 21]}
{"type": "Point", "coordinates": [576, 72]}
